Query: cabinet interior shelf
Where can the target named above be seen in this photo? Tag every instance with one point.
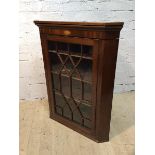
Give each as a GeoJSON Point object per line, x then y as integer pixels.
{"type": "Point", "coordinates": [65, 75]}
{"type": "Point", "coordinates": [85, 102]}
{"type": "Point", "coordinates": [71, 54]}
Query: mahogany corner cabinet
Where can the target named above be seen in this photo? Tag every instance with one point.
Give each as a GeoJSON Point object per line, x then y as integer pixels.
{"type": "Point", "coordinates": [80, 61]}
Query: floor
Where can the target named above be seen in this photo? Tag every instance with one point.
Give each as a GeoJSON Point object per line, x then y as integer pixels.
{"type": "Point", "coordinates": [40, 135]}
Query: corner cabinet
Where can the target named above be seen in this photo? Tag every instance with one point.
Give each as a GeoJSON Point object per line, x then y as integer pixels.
{"type": "Point", "coordinates": [80, 61]}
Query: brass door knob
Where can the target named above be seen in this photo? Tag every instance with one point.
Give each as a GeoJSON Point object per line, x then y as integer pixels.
{"type": "Point", "coordinates": [67, 32]}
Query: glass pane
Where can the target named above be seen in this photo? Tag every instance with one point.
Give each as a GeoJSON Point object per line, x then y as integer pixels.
{"type": "Point", "coordinates": [71, 67]}
{"type": "Point", "coordinates": [86, 110]}
{"type": "Point", "coordinates": [87, 51]}
{"type": "Point", "coordinates": [65, 85]}
{"type": "Point", "coordinates": [67, 112]}
{"type": "Point", "coordinates": [84, 50]}
{"type": "Point", "coordinates": [62, 47]}
{"type": "Point", "coordinates": [56, 82]}
{"type": "Point", "coordinates": [75, 49]}
{"type": "Point", "coordinates": [87, 92]}
{"type": "Point", "coordinates": [85, 70]}
{"type": "Point", "coordinates": [87, 123]}
{"type": "Point", "coordinates": [60, 103]}
{"type": "Point", "coordinates": [77, 117]}
{"type": "Point", "coordinates": [52, 45]}
{"type": "Point", "coordinates": [55, 62]}
{"type": "Point", "coordinates": [76, 89]}
{"type": "Point", "coordinates": [59, 100]}
{"type": "Point", "coordinates": [59, 110]}
{"type": "Point", "coordinates": [71, 104]}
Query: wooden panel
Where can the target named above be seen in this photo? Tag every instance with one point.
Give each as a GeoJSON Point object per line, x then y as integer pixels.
{"type": "Point", "coordinates": [84, 33]}
{"type": "Point", "coordinates": [74, 40]}
{"type": "Point", "coordinates": [106, 75]}
{"type": "Point", "coordinates": [81, 24]}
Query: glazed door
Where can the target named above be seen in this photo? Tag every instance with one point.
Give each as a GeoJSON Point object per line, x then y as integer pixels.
{"type": "Point", "coordinates": [73, 70]}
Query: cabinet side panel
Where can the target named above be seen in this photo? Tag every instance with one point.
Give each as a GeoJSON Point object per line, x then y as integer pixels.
{"type": "Point", "coordinates": [106, 75]}
{"type": "Point", "coordinates": [47, 71]}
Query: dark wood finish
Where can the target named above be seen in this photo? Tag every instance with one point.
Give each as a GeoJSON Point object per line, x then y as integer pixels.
{"type": "Point", "coordinates": [99, 41]}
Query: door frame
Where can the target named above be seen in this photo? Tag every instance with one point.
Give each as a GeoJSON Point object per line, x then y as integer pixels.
{"type": "Point", "coordinates": [84, 41]}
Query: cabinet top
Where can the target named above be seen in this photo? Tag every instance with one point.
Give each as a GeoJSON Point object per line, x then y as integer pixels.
{"type": "Point", "coordinates": [80, 24]}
